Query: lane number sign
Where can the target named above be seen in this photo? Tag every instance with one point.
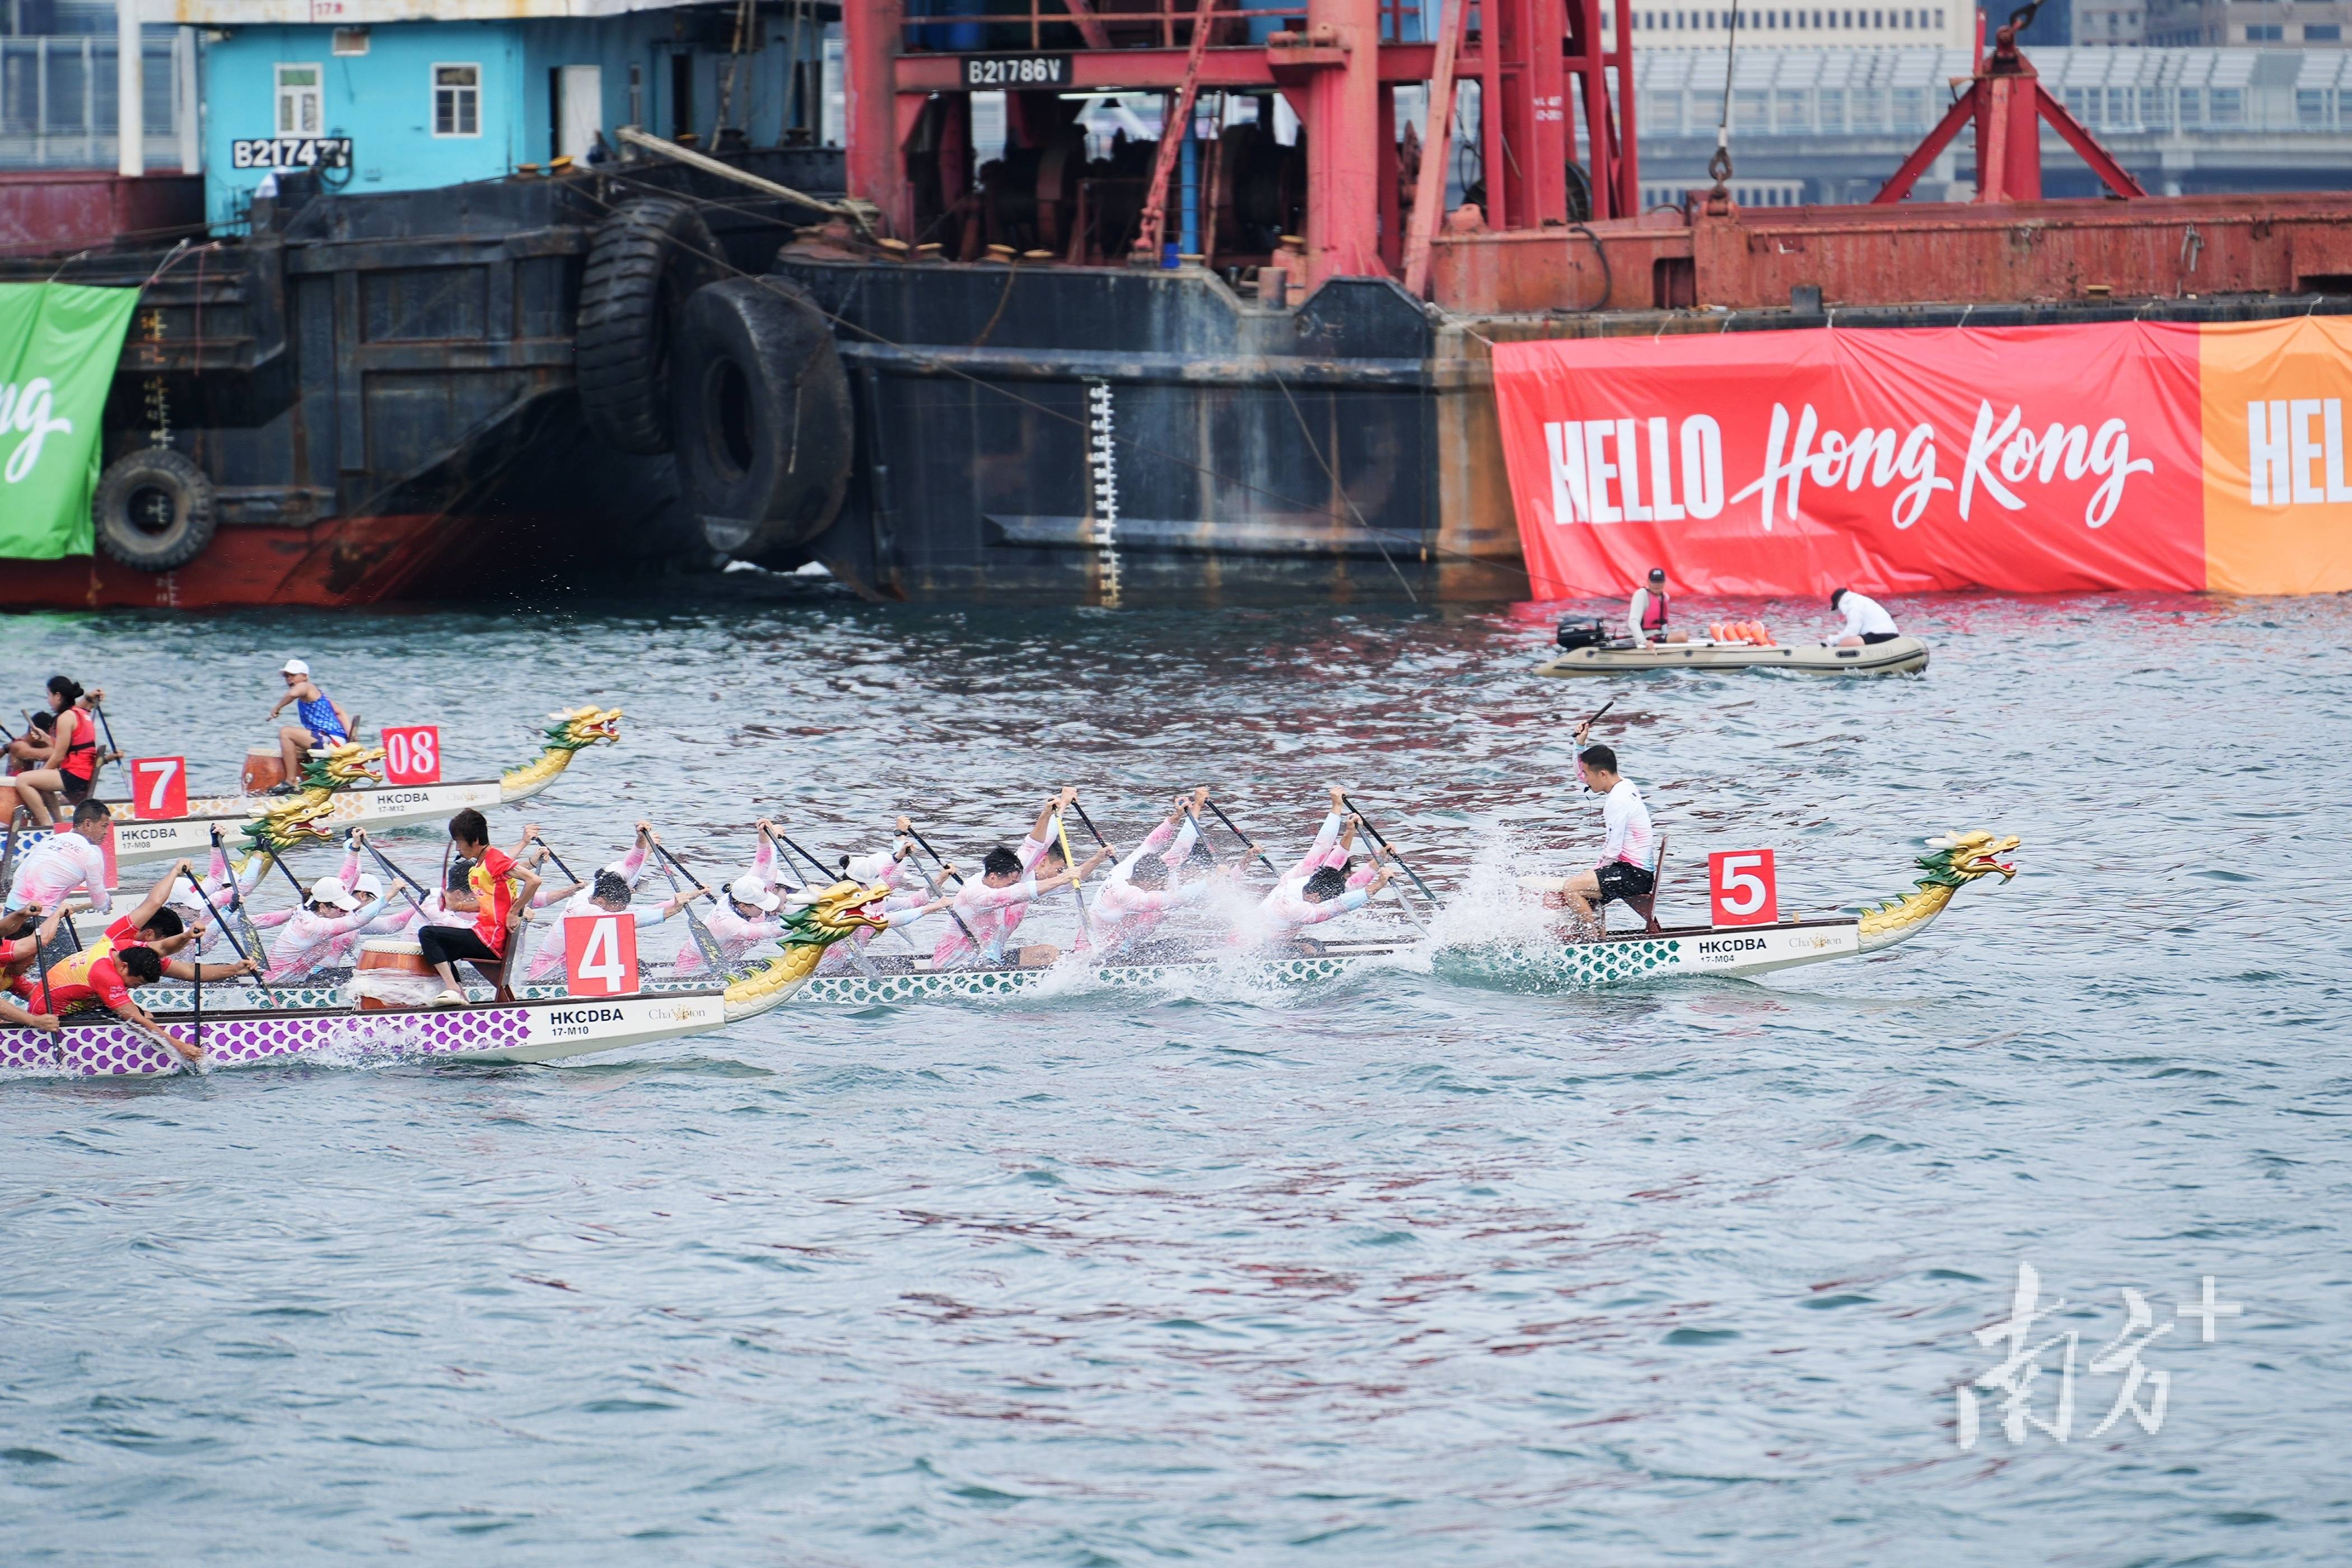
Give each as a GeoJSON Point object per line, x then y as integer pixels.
{"type": "Point", "coordinates": [290, 152]}
{"type": "Point", "coordinates": [411, 754]}
{"type": "Point", "coordinates": [998, 71]}
{"type": "Point", "coordinates": [159, 787]}
{"type": "Point", "coordinates": [1743, 889]}
{"type": "Point", "coordinates": [600, 954]}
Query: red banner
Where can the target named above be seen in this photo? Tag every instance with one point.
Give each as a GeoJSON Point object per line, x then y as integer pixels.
{"type": "Point", "coordinates": [1789, 463]}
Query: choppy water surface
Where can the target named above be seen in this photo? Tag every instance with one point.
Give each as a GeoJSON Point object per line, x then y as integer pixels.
{"type": "Point", "coordinates": [1403, 1271]}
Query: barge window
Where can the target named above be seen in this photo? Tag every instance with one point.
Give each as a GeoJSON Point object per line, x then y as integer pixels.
{"type": "Point", "coordinates": [299, 112]}
{"type": "Point", "coordinates": [456, 101]}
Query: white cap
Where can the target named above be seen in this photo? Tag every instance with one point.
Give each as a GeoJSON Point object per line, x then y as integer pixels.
{"type": "Point", "coordinates": [330, 890]}
{"type": "Point", "coordinates": [295, 667]}
{"type": "Point", "coordinates": [183, 893]}
{"type": "Point", "coordinates": [747, 890]}
{"type": "Point", "coordinates": [368, 884]}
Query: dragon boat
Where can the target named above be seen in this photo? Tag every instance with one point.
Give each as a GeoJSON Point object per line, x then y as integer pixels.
{"type": "Point", "coordinates": [1953, 860]}
{"type": "Point", "coordinates": [534, 1027]}
{"type": "Point", "coordinates": [1901, 656]}
{"type": "Point", "coordinates": [341, 788]}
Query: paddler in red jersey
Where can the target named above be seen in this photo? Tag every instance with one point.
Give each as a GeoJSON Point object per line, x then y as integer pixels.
{"type": "Point", "coordinates": [1646, 612]}
{"type": "Point", "coordinates": [102, 975]}
{"type": "Point", "coordinates": [503, 891]}
{"type": "Point", "coordinates": [20, 949]}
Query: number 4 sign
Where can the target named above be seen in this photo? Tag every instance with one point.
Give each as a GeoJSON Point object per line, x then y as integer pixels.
{"type": "Point", "coordinates": [1743, 889]}
{"type": "Point", "coordinates": [411, 754]}
{"type": "Point", "coordinates": [159, 787]}
{"type": "Point", "coordinates": [600, 954]}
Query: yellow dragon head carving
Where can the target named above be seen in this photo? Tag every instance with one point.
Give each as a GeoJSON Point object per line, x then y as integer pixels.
{"type": "Point", "coordinates": [578, 727]}
{"type": "Point", "coordinates": [1959, 859]}
{"type": "Point", "coordinates": [840, 910]}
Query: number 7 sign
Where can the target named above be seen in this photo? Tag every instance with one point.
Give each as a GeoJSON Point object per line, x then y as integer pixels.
{"type": "Point", "coordinates": [600, 954]}
{"type": "Point", "coordinates": [159, 787]}
{"type": "Point", "coordinates": [1742, 887]}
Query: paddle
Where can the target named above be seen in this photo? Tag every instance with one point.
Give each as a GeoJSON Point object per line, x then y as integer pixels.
{"type": "Point", "coordinates": [8, 852]}
{"type": "Point", "coordinates": [1242, 837]}
{"type": "Point", "coordinates": [1089, 821]}
{"type": "Point", "coordinates": [977, 945]}
{"type": "Point", "coordinates": [111, 744]}
{"type": "Point", "coordinates": [551, 855]}
{"type": "Point", "coordinates": [1062, 831]}
{"type": "Point", "coordinates": [673, 869]}
{"type": "Point", "coordinates": [1379, 839]}
{"type": "Point", "coordinates": [410, 887]}
{"type": "Point", "coordinates": [777, 835]}
{"type": "Point", "coordinates": [236, 896]}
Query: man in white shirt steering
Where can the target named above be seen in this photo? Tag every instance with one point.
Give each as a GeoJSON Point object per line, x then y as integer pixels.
{"type": "Point", "coordinates": [1866, 620]}
{"type": "Point", "coordinates": [1629, 845]}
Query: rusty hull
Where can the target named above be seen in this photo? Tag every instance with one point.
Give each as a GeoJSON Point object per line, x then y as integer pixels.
{"type": "Point", "coordinates": [1917, 254]}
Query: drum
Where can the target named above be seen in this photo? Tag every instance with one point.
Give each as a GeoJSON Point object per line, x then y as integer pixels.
{"type": "Point", "coordinates": [265, 768]}
{"type": "Point", "coordinates": [393, 975]}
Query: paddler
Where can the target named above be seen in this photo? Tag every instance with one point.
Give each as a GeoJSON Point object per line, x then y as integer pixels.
{"type": "Point", "coordinates": [20, 952]}
{"type": "Point", "coordinates": [66, 863]}
{"type": "Point", "coordinates": [1866, 620]}
{"type": "Point", "coordinates": [609, 891]}
{"type": "Point", "coordinates": [1628, 841]}
{"type": "Point", "coordinates": [330, 919]}
{"type": "Point", "coordinates": [737, 923]}
{"type": "Point", "coordinates": [1142, 889]}
{"type": "Point", "coordinates": [501, 894]}
{"type": "Point", "coordinates": [323, 723]}
{"type": "Point", "coordinates": [102, 976]}
{"type": "Point", "coordinates": [1645, 611]}
{"type": "Point", "coordinates": [1320, 886]}
{"type": "Point", "coordinates": [1038, 856]}
{"type": "Point", "coordinates": [67, 770]}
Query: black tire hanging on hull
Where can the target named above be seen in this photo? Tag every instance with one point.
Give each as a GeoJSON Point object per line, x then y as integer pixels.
{"type": "Point", "coordinates": [152, 509]}
{"type": "Point", "coordinates": [646, 261]}
{"type": "Point", "coordinates": [760, 408]}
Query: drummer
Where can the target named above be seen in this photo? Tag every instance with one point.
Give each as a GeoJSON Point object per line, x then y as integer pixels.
{"type": "Point", "coordinates": [1646, 612]}
{"type": "Point", "coordinates": [503, 891]}
{"type": "Point", "coordinates": [1866, 620]}
{"type": "Point", "coordinates": [323, 723]}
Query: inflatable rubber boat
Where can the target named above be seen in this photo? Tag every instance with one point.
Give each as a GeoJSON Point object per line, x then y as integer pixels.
{"type": "Point", "coordinates": [1904, 654]}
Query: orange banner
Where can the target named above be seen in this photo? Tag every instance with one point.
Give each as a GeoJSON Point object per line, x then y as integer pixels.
{"type": "Point", "coordinates": [2036, 459]}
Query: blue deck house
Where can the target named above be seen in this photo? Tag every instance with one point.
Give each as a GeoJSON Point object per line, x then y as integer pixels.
{"type": "Point", "coordinates": [384, 95]}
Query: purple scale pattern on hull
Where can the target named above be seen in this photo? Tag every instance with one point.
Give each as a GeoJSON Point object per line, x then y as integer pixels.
{"type": "Point", "coordinates": [113, 1051]}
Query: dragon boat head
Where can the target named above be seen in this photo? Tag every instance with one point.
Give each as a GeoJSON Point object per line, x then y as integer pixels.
{"type": "Point", "coordinates": [1957, 859]}
{"type": "Point", "coordinates": [580, 728]}
{"type": "Point", "coordinates": [343, 766]}
{"type": "Point", "coordinates": [841, 910]}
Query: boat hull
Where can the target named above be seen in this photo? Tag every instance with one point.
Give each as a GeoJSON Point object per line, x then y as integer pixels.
{"type": "Point", "coordinates": [528, 1031]}
{"type": "Point", "coordinates": [1902, 656]}
{"type": "Point", "coordinates": [139, 843]}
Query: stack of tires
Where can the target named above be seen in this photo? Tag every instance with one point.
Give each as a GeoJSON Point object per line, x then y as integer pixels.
{"type": "Point", "coordinates": [737, 378]}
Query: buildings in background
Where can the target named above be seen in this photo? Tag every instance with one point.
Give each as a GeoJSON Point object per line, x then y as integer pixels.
{"type": "Point", "coordinates": [2277, 24]}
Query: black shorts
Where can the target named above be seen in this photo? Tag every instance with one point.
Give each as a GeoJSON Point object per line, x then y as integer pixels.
{"type": "Point", "coordinates": [448, 945]}
{"type": "Point", "coordinates": [1870, 638]}
{"type": "Point", "coordinates": [1624, 880]}
{"type": "Point", "coordinates": [75, 790]}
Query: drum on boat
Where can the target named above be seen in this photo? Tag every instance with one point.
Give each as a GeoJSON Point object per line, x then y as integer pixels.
{"type": "Point", "coordinates": [264, 769]}
{"type": "Point", "coordinates": [392, 974]}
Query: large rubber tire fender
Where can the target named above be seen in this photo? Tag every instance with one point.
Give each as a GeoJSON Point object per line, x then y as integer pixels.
{"type": "Point", "coordinates": [644, 263]}
{"type": "Point", "coordinates": [761, 404]}
{"type": "Point", "coordinates": [153, 510]}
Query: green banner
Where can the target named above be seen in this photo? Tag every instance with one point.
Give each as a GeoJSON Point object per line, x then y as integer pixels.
{"type": "Point", "coordinates": [59, 346]}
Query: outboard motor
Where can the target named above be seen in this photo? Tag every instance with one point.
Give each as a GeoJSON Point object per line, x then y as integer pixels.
{"type": "Point", "coordinates": [1583, 634]}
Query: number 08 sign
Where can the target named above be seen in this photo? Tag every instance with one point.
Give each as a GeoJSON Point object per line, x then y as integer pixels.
{"type": "Point", "coordinates": [1742, 887]}
{"type": "Point", "coordinates": [600, 954]}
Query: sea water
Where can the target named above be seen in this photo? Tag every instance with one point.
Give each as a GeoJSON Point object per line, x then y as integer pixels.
{"type": "Point", "coordinates": [1403, 1271]}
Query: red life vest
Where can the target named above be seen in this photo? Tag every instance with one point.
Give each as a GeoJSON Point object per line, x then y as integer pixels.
{"type": "Point", "coordinates": [1654, 613]}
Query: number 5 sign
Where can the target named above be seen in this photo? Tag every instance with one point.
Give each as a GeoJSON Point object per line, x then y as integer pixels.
{"type": "Point", "coordinates": [159, 787]}
{"type": "Point", "coordinates": [1743, 889]}
{"type": "Point", "coordinates": [411, 754]}
{"type": "Point", "coordinates": [600, 954]}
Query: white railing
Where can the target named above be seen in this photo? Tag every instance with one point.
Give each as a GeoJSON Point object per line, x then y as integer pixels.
{"type": "Point", "coordinates": [58, 101]}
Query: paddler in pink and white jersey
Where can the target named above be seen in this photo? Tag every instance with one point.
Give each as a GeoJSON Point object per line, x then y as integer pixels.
{"type": "Point", "coordinates": [908, 900]}
{"type": "Point", "coordinates": [1140, 890]}
{"type": "Point", "coordinates": [1319, 887]}
{"type": "Point", "coordinates": [992, 909]}
{"type": "Point", "coordinates": [308, 937]}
